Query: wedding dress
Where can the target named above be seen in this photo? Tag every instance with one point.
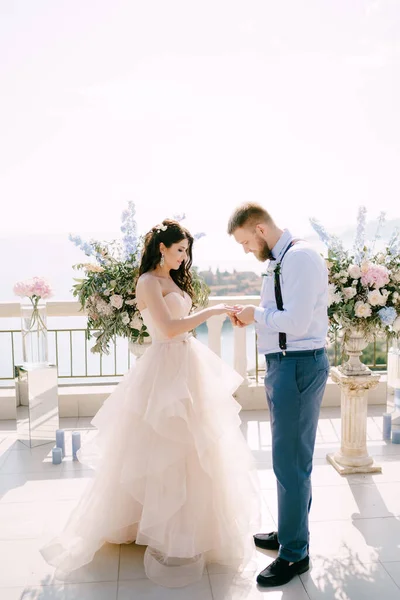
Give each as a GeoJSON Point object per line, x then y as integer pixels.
{"type": "Point", "coordinates": [173, 470]}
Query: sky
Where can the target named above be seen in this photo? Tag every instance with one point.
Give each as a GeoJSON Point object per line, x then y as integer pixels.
{"type": "Point", "coordinates": [195, 107]}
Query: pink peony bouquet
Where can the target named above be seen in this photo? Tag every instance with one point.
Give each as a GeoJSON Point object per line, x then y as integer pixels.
{"type": "Point", "coordinates": [364, 285]}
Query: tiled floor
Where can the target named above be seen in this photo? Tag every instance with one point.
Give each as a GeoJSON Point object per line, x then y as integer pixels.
{"type": "Point", "coordinates": [355, 527]}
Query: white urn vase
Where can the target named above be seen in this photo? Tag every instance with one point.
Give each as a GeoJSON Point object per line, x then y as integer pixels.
{"type": "Point", "coordinates": [139, 349]}
{"type": "Point", "coordinates": [354, 343]}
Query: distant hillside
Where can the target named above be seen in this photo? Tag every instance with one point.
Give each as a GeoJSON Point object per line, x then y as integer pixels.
{"type": "Point", "coordinates": [223, 283]}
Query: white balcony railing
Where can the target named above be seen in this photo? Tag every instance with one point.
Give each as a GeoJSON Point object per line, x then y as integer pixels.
{"type": "Point", "coordinates": [70, 310]}
{"type": "Point", "coordinates": [69, 349]}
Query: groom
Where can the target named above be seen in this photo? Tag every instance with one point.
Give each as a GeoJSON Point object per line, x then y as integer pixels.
{"type": "Point", "coordinates": [292, 325]}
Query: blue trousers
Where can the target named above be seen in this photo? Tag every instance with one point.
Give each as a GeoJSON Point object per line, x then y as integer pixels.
{"type": "Point", "coordinates": [294, 388]}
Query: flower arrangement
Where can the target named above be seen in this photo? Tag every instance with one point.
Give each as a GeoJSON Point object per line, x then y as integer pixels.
{"type": "Point", "coordinates": [33, 328]}
{"type": "Point", "coordinates": [364, 285]}
{"type": "Point", "coordinates": [107, 292]}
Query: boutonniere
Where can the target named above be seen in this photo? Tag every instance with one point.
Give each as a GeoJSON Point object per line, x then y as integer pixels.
{"type": "Point", "coordinates": [272, 268]}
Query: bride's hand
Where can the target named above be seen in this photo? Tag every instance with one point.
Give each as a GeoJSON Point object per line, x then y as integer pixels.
{"type": "Point", "coordinates": [223, 309]}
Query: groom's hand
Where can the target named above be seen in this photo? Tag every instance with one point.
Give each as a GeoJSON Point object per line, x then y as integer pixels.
{"type": "Point", "coordinates": [246, 315]}
{"type": "Point", "coordinates": [233, 318]}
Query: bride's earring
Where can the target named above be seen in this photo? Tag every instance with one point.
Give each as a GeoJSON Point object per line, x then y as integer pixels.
{"type": "Point", "coordinates": [162, 261]}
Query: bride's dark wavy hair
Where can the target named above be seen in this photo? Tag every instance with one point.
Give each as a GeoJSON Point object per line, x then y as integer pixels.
{"type": "Point", "coordinates": [151, 255]}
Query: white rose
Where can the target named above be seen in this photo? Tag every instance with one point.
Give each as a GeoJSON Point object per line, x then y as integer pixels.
{"type": "Point", "coordinates": [116, 301]}
{"type": "Point", "coordinates": [354, 282]}
{"type": "Point", "coordinates": [396, 276]}
{"type": "Point", "coordinates": [354, 271]}
{"type": "Point", "coordinates": [136, 323]}
{"type": "Point", "coordinates": [385, 292]}
{"type": "Point", "coordinates": [125, 318]}
{"type": "Point", "coordinates": [334, 296]}
{"type": "Point", "coordinates": [344, 279]}
{"type": "Point", "coordinates": [375, 298]}
{"type": "Point", "coordinates": [349, 292]}
{"type": "Point", "coordinates": [362, 310]}
{"type": "Point", "coordinates": [380, 259]}
{"type": "Point", "coordinates": [131, 302]}
{"type": "Point", "coordinates": [396, 325]}
{"type": "Point", "coordinates": [395, 296]}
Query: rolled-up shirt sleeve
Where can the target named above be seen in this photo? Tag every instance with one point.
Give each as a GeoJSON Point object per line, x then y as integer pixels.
{"type": "Point", "coordinates": [300, 291]}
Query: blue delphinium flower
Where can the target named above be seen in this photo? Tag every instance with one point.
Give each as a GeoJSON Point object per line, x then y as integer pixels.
{"type": "Point", "coordinates": [394, 242]}
{"type": "Point", "coordinates": [387, 315]}
{"type": "Point", "coordinates": [129, 230]}
{"type": "Point", "coordinates": [332, 242]}
{"type": "Point", "coordinates": [84, 246]}
{"type": "Point", "coordinates": [359, 243]}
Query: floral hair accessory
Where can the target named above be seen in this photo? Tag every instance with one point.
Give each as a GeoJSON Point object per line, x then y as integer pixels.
{"type": "Point", "coordinates": [160, 228]}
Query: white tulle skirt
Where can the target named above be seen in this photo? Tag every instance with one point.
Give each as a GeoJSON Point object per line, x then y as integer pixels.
{"type": "Point", "coordinates": [173, 470]}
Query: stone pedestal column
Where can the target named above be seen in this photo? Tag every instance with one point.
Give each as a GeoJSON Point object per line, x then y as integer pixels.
{"type": "Point", "coordinates": [353, 455]}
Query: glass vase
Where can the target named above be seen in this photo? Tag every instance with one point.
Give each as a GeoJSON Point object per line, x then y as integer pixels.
{"type": "Point", "coordinates": [34, 334]}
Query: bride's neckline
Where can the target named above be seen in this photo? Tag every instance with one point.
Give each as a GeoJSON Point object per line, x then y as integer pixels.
{"type": "Point", "coordinates": [184, 297]}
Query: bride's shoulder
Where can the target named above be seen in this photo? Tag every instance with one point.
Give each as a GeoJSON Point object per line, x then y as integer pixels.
{"type": "Point", "coordinates": [147, 281]}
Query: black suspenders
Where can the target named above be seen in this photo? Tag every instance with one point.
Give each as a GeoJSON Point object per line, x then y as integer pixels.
{"type": "Point", "coordinates": [278, 294]}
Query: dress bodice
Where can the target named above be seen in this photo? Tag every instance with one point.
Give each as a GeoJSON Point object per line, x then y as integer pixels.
{"type": "Point", "coordinates": [179, 306]}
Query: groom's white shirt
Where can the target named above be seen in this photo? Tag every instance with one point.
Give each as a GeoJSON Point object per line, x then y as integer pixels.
{"type": "Point", "coordinates": [304, 283]}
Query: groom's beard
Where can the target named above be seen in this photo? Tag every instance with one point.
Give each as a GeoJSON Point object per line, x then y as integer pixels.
{"type": "Point", "coordinates": [264, 251]}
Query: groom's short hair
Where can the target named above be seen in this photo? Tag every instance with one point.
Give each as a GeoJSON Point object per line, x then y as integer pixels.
{"type": "Point", "coordinates": [248, 214]}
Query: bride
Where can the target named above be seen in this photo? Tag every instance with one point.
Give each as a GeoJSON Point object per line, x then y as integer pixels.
{"type": "Point", "coordinates": [173, 471]}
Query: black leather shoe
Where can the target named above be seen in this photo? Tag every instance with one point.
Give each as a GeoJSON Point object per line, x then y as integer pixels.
{"type": "Point", "coordinates": [281, 571]}
{"type": "Point", "coordinates": [267, 541]}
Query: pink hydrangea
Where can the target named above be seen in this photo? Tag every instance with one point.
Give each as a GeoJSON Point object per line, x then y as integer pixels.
{"type": "Point", "coordinates": [376, 276]}
{"type": "Point", "coordinates": [33, 287]}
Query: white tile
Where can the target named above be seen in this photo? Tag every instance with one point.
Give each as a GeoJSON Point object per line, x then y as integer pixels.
{"type": "Point", "coordinates": [382, 535]}
{"type": "Point", "coordinates": [82, 591]}
{"type": "Point", "coordinates": [259, 560]}
{"type": "Point", "coordinates": [22, 564]}
{"type": "Point", "coordinates": [11, 443]}
{"type": "Point", "coordinates": [23, 520]}
{"type": "Point", "coordinates": [37, 460]}
{"type": "Point", "coordinates": [390, 472]}
{"type": "Point", "coordinates": [23, 460]}
{"type": "Point", "coordinates": [32, 487]}
{"type": "Point", "coordinates": [377, 499]}
{"type": "Point", "coordinates": [85, 423]}
{"type": "Point", "coordinates": [104, 567]}
{"type": "Point", "coordinates": [393, 568]}
{"type": "Point", "coordinates": [341, 540]}
{"type": "Point", "coordinates": [131, 562]}
{"type": "Point", "coordinates": [335, 579]}
{"type": "Point", "coordinates": [145, 589]}
{"type": "Point", "coordinates": [56, 517]}
{"type": "Point", "coordinates": [68, 422]}
{"type": "Point", "coordinates": [244, 587]}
